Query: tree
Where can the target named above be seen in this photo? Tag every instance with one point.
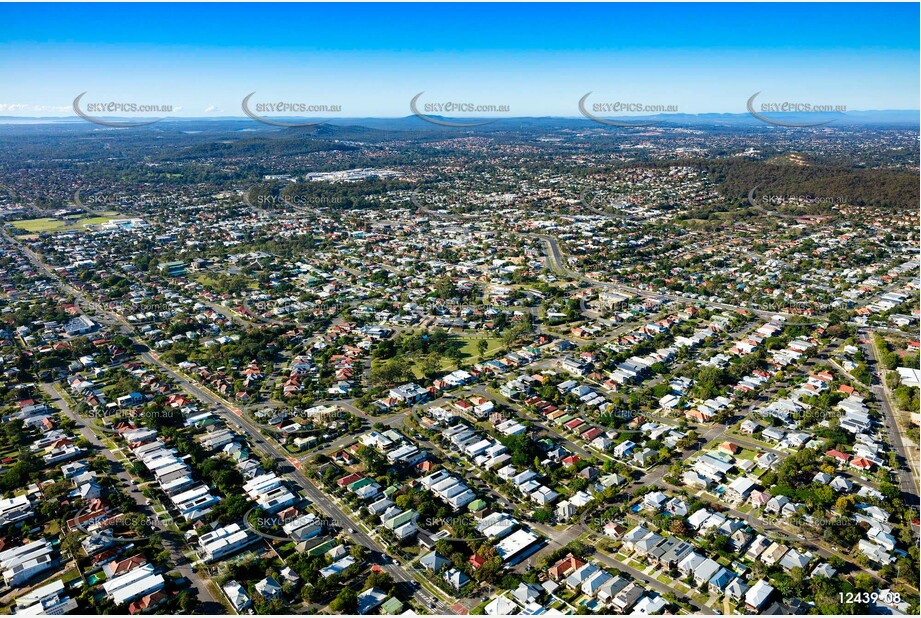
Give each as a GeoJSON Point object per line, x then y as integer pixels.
{"type": "Point", "coordinates": [431, 364]}
{"type": "Point", "coordinates": [232, 508]}
{"type": "Point", "coordinates": [509, 337]}
{"type": "Point", "coordinates": [444, 288]}
{"type": "Point", "coordinates": [269, 463]}
{"type": "Point", "coordinates": [490, 570]}
{"type": "Point", "coordinates": [346, 602]}
{"type": "Point", "coordinates": [863, 582]}
{"type": "Point", "coordinates": [844, 503]}
{"type": "Point", "coordinates": [391, 372]}
{"type": "Point", "coordinates": [542, 516]}
{"type": "Point", "coordinates": [375, 463]}
{"type": "Point", "coordinates": [71, 543]}
{"type": "Point", "coordinates": [481, 346]}
{"type": "Point", "coordinates": [708, 381]}
{"type": "Point", "coordinates": [54, 491]}
{"type": "Point", "coordinates": [20, 474]}
{"type": "Point", "coordinates": [357, 552]}
{"type": "Point", "coordinates": [187, 602]}
{"type": "Point", "coordinates": [678, 527]}
{"type": "Point", "coordinates": [12, 433]}
{"type": "Point", "coordinates": [381, 581]}
{"type": "Point", "coordinates": [890, 491]}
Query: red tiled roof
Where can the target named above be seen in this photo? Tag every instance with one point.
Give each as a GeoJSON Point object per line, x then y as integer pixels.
{"type": "Point", "coordinates": [345, 480]}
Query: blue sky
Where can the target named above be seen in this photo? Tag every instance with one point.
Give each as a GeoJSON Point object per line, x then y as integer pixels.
{"type": "Point", "coordinates": [538, 59]}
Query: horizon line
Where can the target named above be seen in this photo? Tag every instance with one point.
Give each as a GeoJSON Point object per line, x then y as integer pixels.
{"type": "Point", "coordinates": [411, 115]}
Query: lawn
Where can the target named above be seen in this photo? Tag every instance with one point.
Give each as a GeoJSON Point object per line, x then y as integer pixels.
{"type": "Point", "coordinates": [732, 432]}
{"type": "Point", "coordinates": [213, 284]}
{"type": "Point", "coordinates": [746, 454]}
{"type": "Point", "coordinates": [50, 224]}
{"type": "Point", "coordinates": [469, 347]}
{"type": "Point", "coordinates": [470, 354]}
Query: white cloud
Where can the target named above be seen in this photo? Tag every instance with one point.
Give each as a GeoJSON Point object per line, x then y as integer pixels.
{"type": "Point", "coordinates": [29, 107]}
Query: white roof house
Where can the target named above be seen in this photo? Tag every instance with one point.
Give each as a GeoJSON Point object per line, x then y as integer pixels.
{"type": "Point", "coordinates": [133, 584]}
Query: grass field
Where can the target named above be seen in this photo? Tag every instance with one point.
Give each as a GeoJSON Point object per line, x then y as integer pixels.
{"type": "Point", "coordinates": [50, 224]}
{"type": "Point", "coordinates": [469, 347]}
{"type": "Point", "coordinates": [469, 351]}
{"type": "Point", "coordinates": [213, 284]}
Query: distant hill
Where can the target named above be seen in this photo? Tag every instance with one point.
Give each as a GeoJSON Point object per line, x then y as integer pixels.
{"type": "Point", "coordinates": [868, 118]}
{"type": "Point", "coordinates": [736, 179]}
